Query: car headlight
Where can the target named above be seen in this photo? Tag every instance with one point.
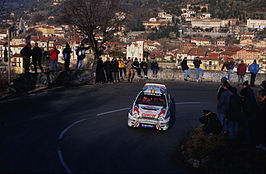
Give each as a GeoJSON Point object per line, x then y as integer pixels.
{"type": "Point", "coordinates": [135, 115]}
{"type": "Point", "coordinates": [161, 118]}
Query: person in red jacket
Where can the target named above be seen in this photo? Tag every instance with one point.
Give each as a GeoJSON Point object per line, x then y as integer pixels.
{"type": "Point", "coordinates": [54, 58]}
{"type": "Point", "coordinates": [241, 71]}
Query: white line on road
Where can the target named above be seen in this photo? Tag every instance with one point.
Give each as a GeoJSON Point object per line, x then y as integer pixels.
{"type": "Point", "coordinates": [69, 127]}
{"type": "Point", "coordinates": [187, 103]}
{"type": "Point", "coordinates": [110, 112]}
{"type": "Point", "coordinates": [59, 152]}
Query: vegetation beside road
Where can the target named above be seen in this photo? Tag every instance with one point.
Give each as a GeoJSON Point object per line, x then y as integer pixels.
{"type": "Point", "coordinates": [217, 154]}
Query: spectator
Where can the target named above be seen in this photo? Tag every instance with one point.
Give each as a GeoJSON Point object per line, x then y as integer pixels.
{"type": "Point", "coordinates": [229, 66]}
{"type": "Point", "coordinates": [136, 66]}
{"type": "Point", "coordinates": [121, 67]}
{"type": "Point", "coordinates": [144, 67]}
{"type": "Point", "coordinates": [108, 70]}
{"type": "Point", "coordinates": [26, 53]}
{"type": "Point", "coordinates": [154, 68]}
{"type": "Point", "coordinates": [234, 114]}
{"type": "Point", "coordinates": [185, 68]}
{"type": "Point", "coordinates": [197, 63]}
{"type": "Point", "coordinates": [223, 107]}
{"type": "Point", "coordinates": [115, 70]}
{"type": "Point", "coordinates": [260, 121]}
{"type": "Point", "coordinates": [100, 77]}
{"type": "Point", "coordinates": [81, 53]}
{"type": "Point", "coordinates": [263, 85]}
{"type": "Point", "coordinates": [37, 57]}
{"type": "Point", "coordinates": [125, 69]}
{"type": "Point", "coordinates": [54, 58]}
{"type": "Point", "coordinates": [129, 68]}
{"type": "Point", "coordinates": [253, 69]}
{"type": "Point", "coordinates": [249, 109]}
{"type": "Point", "coordinates": [221, 89]}
{"type": "Point", "coordinates": [241, 71]}
{"type": "Point", "coordinates": [66, 53]}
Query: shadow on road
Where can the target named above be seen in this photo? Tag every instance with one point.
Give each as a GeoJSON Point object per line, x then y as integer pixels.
{"type": "Point", "coordinates": [173, 113]}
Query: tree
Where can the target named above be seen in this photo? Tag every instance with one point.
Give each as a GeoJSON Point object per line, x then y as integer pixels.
{"type": "Point", "coordinates": [94, 19]}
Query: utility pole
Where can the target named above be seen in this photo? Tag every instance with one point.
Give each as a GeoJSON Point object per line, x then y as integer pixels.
{"type": "Point", "coordinates": [9, 53]}
{"type": "Point", "coordinates": [9, 61]}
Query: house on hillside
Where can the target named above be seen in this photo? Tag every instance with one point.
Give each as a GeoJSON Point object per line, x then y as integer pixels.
{"type": "Point", "coordinates": [201, 41]}
{"type": "Point", "coordinates": [135, 50]}
{"type": "Point", "coordinates": [17, 63]}
{"type": "Point", "coordinates": [211, 62]}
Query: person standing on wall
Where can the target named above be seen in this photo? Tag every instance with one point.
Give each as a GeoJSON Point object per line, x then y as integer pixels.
{"type": "Point", "coordinates": [115, 71]}
{"type": "Point", "coordinates": [130, 71]}
{"type": "Point", "coordinates": [100, 77]}
{"type": "Point", "coordinates": [108, 66]}
{"type": "Point", "coordinates": [121, 67]}
{"type": "Point", "coordinates": [185, 68]}
{"type": "Point", "coordinates": [154, 68]}
{"type": "Point", "coordinates": [229, 66]}
{"type": "Point", "coordinates": [241, 71]}
{"type": "Point", "coordinates": [253, 69]}
{"type": "Point", "coordinates": [26, 53]}
{"type": "Point", "coordinates": [81, 53]}
{"type": "Point", "coordinates": [37, 57]}
{"type": "Point", "coordinates": [144, 67]}
{"type": "Point", "coordinates": [136, 66]}
{"type": "Point", "coordinates": [54, 58]}
{"type": "Point", "coordinates": [66, 53]}
{"type": "Point", "coordinates": [197, 63]}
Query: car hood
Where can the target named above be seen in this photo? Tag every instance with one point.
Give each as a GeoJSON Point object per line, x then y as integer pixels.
{"type": "Point", "coordinates": [148, 111]}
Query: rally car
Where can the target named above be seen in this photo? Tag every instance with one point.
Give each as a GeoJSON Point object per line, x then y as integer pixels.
{"type": "Point", "coordinates": [151, 108]}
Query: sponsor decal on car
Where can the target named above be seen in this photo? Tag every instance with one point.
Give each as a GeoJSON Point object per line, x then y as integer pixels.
{"type": "Point", "coordinates": [148, 115]}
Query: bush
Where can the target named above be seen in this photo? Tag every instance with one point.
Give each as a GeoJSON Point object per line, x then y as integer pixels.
{"type": "Point", "coordinates": [199, 145]}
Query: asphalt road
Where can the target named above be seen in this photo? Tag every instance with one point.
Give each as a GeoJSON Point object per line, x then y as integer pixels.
{"type": "Point", "coordinates": [84, 129]}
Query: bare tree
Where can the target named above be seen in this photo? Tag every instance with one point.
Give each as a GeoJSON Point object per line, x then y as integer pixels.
{"type": "Point", "coordinates": [97, 20]}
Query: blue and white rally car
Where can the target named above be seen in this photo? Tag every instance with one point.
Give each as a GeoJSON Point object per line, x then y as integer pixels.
{"type": "Point", "coordinates": [151, 108]}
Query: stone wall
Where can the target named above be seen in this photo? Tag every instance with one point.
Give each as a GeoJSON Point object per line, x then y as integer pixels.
{"type": "Point", "coordinates": [209, 76]}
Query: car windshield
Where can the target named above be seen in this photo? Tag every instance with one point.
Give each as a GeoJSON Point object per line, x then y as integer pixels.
{"type": "Point", "coordinates": [157, 100]}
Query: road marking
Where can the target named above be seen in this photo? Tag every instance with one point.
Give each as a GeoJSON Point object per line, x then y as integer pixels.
{"type": "Point", "coordinates": [59, 152]}
{"type": "Point", "coordinates": [110, 112]}
{"type": "Point", "coordinates": [69, 127]}
{"type": "Point", "coordinates": [187, 103]}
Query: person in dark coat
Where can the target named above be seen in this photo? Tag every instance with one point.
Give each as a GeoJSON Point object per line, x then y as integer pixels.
{"type": "Point", "coordinates": [154, 67]}
{"type": "Point", "coordinates": [249, 108]}
{"type": "Point", "coordinates": [261, 121]}
{"type": "Point", "coordinates": [115, 71]}
{"type": "Point", "coordinates": [185, 68]}
{"type": "Point", "coordinates": [67, 55]}
{"type": "Point", "coordinates": [223, 107]}
{"type": "Point", "coordinates": [26, 53]}
{"type": "Point", "coordinates": [263, 85]}
{"type": "Point", "coordinates": [211, 123]}
{"type": "Point", "coordinates": [144, 67]}
{"type": "Point", "coordinates": [100, 77]}
{"type": "Point", "coordinates": [108, 66]}
{"type": "Point", "coordinates": [234, 115]}
{"type": "Point", "coordinates": [136, 66]}
{"type": "Point", "coordinates": [81, 53]}
{"type": "Point", "coordinates": [37, 57]}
